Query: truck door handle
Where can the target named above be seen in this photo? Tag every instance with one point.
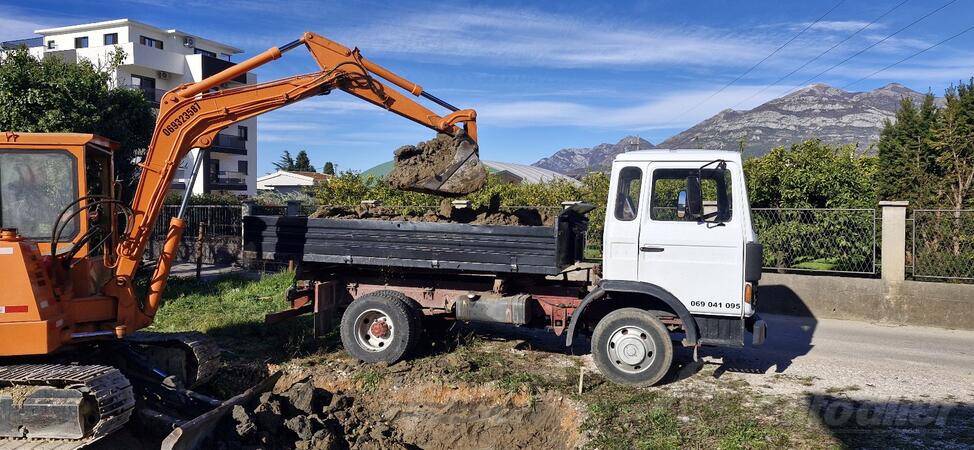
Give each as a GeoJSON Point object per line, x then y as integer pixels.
{"type": "Point", "coordinates": [649, 249]}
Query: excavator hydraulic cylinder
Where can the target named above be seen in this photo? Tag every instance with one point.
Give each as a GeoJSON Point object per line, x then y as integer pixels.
{"type": "Point", "coordinates": [161, 275]}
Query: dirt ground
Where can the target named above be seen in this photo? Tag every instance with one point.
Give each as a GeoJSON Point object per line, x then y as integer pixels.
{"type": "Point", "coordinates": [495, 387]}
{"type": "Point", "coordinates": [416, 165]}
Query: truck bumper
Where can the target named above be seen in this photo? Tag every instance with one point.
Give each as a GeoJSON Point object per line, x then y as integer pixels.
{"type": "Point", "coordinates": [758, 329]}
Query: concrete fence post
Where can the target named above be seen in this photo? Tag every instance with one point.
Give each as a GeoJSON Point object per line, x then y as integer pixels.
{"type": "Point", "coordinates": [894, 240]}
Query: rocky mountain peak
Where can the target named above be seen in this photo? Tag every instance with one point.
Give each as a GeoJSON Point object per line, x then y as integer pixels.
{"type": "Point", "coordinates": [580, 161]}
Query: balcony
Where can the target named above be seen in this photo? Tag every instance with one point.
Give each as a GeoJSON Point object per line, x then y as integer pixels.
{"type": "Point", "coordinates": [151, 95]}
{"type": "Point", "coordinates": [212, 66]}
{"type": "Point", "coordinates": [226, 180]}
{"type": "Point", "coordinates": [226, 143]}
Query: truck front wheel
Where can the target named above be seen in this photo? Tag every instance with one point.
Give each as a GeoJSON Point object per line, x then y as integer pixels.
{"type": "Point", "coordinates": [377, 328]}
{"type": "Point", "coordinates": [631, 346]}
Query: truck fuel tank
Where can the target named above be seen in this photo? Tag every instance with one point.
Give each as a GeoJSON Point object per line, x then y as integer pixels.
{"type": "Point", "coordinates": [514, 310]}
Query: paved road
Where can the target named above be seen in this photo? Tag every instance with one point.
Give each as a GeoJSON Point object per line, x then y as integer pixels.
{"type": "Point", "coordinates": [872, 360]}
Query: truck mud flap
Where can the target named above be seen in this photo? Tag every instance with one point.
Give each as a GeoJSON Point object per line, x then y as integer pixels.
{"type": "Point", "coordinates": [191, 435]}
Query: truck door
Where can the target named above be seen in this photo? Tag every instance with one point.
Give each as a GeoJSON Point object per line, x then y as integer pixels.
{"type": "Point", "coordinates": [696, 257]}
{"type": "Point", "coordinates": [621, 238]}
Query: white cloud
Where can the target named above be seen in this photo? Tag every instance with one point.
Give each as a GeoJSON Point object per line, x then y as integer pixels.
{"type": "Point", "coordinates": [527, 38]}
{"type": "Point", "coordinates": [14, 27]}
{"type": "Point", "coordinates": [663, 112]}
{"type": "Point", "coordinates": [841, 25]}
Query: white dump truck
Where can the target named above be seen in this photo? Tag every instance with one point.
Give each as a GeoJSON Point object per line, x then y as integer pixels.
{"type": "Point", "coordinates": [681, 263]}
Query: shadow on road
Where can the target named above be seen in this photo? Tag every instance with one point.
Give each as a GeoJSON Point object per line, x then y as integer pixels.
{"type": "Point", "coordinates": [892, 422]}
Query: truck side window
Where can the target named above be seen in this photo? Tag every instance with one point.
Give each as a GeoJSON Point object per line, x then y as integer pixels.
{"type": "Point", "coordinates": [627, 193]}
{"type": "Point", "coordinates": [715, 187]}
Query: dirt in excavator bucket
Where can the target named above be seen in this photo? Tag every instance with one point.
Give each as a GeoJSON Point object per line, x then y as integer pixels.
{"type": "Point", "coordinates": [445, 165]}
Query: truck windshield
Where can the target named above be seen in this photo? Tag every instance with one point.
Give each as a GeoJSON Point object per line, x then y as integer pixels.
{"type": "Point", "coordinates": [35, 185]}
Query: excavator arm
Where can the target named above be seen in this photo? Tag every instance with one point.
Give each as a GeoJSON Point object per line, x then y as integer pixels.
{"type": "Point", "coordinates": [191, 115]}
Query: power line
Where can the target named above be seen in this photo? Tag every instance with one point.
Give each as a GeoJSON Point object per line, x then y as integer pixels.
{"type": "Point", "coordinates": [909, 57]}
{"type": "Point", "coordinates": [878, 42]}
{"type": "Point", "coordinates": [816, 58]}
{"type": "Point", "coordinates": [739, 77]}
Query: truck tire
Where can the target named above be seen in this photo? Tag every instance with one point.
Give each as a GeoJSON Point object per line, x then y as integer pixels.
{"type": "Point", "coordinates": [376, 328]}
{"type": "Point", "coordinates": [415, 313]}
{"type": "Point", "coordinates": [632, 347]}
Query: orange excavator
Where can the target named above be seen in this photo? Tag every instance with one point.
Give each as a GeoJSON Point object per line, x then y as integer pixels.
{"type": "Point", "coordinates": [73, 364]}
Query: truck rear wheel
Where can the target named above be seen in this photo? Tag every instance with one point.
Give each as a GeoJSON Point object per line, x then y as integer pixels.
{"type": "Point", "coordinates": [378, 328]}
{"type": "Point", "coordinates": [631, 346]}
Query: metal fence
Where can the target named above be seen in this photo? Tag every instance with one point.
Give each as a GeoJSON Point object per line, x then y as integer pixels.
{"type": "Point", "coordinates": [221, 229]}
{"type": "Point", "coordinates": [818, 240]}
{"type": "Point", "coordinates": [943, 244]}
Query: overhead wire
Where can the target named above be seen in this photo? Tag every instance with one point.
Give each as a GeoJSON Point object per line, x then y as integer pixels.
{"type": "Point", "coordinates": [817, 57]}
{"type": "Point", "coordinates": [967, 30]}
{"type": "Point", "coordinates": [749, 70]}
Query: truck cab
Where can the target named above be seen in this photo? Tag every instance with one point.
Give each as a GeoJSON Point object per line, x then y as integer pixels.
{"type": "Point", "coordinates": [679, 221]}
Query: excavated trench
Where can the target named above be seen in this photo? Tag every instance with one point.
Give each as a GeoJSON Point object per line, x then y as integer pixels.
{"type": "Point", "coordinates": [304, 415]}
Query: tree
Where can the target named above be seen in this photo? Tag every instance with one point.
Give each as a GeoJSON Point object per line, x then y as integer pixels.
{"type": "Point", "coordinates": [952, 140]}
{"type": "Point", "coordinates": [811, 175]}
{"type": "Point", "coordinates": [286, 162]}
{"type": "Point", "coordinates": [328, 169]}
{"type": "Point", "coordinates": [906, 169]}
{"type": "Point", "coordinates": [52, 95]}
{"type": "Point", "coordinates": [302, 163]}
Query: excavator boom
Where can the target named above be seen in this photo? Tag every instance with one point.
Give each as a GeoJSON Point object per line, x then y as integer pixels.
{"type": "Point", "coordinates": [79, 287]}
{"type": "Point", "coordinates": [191, 115]}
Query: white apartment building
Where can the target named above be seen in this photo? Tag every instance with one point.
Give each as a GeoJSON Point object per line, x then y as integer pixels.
{"type": "Point", "coordinates": [156, 61]}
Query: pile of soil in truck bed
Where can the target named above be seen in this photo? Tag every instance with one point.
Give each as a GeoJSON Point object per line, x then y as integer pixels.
{"type": "Point", "coordinates": [483, 215]}
{"type": "Point", "coordinates": [415, 165]}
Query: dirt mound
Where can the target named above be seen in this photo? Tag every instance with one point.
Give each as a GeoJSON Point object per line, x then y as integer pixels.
{"type": "Point", "coordinates": [428, 416]}
{"type": "Point", "coordinates": [483, 215]}
{"type": "Point", "coordinates": [443, 165]}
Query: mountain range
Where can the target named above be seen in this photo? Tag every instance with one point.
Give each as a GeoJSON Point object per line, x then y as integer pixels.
{"type": "Point", "coordinates": [817, 111]}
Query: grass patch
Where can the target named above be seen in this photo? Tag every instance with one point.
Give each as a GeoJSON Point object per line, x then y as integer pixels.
{"type": "Point", "coordinates": [232, 310]}
{"type": "Point", "coordinates": [369, 379]}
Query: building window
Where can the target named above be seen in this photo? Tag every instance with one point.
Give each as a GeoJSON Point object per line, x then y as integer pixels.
{"type": "Point", "coordinates": [225, 56]}
{"type": "Point", "coordinates": [200, 51]}
{"type": "Point", "coordinates": [149, 42]}
{"type": "Point", "coordinates": [111, 39]}
{"type": "Point", "coordinates": [242, 167]}
{"type": "Point", "coordinates": [51, 45]}
{"type": "Point", "coordinates": [242, 132]}
{"type": "Point", "coordinates": [81, 42]}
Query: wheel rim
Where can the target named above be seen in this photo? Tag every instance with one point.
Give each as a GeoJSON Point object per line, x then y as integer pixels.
{"type": "Point", "coordinates": [374, 330]}
{"type": "Point", "coordinates": [630, 349]}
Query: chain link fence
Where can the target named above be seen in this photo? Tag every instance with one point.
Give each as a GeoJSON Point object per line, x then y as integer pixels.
{"type": "Point", "coordinates": [943, 244]}
{"type": "Point", "coordinates": [818, 240]}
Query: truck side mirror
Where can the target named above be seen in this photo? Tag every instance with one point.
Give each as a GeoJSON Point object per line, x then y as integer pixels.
{"type": "Point", "coordinates": [693, 202]}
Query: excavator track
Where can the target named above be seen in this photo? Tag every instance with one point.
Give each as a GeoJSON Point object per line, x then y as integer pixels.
{"type": "Point", "coordinates": [61, 406]}
{"type": "Point", "coordinates": [197, 360]}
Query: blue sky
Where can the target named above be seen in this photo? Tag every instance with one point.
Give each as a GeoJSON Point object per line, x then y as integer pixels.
{"type": "Point", "coordinates": [550, 75]}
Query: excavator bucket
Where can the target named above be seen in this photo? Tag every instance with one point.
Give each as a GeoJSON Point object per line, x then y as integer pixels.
{"type": "Point", "coordinates": [446, 165]}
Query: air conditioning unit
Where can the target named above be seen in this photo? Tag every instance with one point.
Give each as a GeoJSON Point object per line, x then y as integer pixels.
{"type": "Point", "coordinates": [188, 41]}
{"type": "Point", "coordinates": [162, 75]}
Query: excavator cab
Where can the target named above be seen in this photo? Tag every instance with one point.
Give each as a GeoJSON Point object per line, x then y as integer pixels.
{"type": "Point", "coordinates": [57, 190]}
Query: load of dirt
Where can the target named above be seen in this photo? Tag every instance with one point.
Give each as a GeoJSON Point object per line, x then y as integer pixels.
{"type": "Point", "coordinates": [482, 215]}
{"type": "Point", "coordinates": [446, 165]}
{"type": "Point", "coordinates": [304, 416]}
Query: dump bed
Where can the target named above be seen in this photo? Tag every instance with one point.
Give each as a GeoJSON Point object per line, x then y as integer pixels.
{"type": "Point", "coordinates": [543, 250]}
